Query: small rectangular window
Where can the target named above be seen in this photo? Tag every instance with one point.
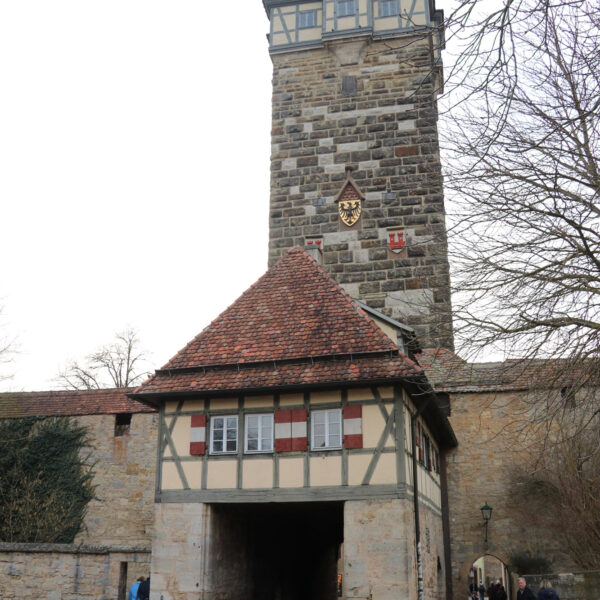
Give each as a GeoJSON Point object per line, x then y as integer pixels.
{"type": "Point", "coordinates": [427, 453]}
{"type": "Point", "coordinates": [326, 429]}
{"type": "Point", "coordinates": [259, 433]}
{"type": "Point", "coordinates": [307, 18]}
{"type": "Point", "coordinates": [122, 424]}
{"type": "Point", "coordinates": [346, 8]}
{"type": "Point", "coordinates": [388, 8]}
{"type": "Point", "coordinates": [223, 434]}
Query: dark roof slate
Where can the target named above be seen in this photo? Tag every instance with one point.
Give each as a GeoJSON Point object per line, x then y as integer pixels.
{"type": "Point", "coordinates": [14, 405]}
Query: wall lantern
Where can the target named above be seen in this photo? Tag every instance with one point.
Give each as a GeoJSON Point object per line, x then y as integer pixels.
{"type": "Point", "coordinates": [486, 513]}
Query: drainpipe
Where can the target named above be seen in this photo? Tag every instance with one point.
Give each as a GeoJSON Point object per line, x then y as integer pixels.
{"type": "Point", "coordinates": [415, 466]}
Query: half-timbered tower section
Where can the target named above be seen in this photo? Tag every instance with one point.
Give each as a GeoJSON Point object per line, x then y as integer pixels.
{"type": "Point", "coordinates": [285, 463]}
{"type": "Point", "coordinates": [355, 83]}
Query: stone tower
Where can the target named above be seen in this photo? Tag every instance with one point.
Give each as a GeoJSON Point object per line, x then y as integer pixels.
{"type": "Point", "coordinates": [355, 166]}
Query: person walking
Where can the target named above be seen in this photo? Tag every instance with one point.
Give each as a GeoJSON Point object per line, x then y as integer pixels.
{"type": "Point", "coordinates": [546, 592]}
{"type": "Point", "coordinates": [525, 592]}
{"type": "Point", "coordinates": [144, 590]}
{"type": "Point", "coordinates": [133, 590]}
{"type": "Point", "coordinates": [500, 592]}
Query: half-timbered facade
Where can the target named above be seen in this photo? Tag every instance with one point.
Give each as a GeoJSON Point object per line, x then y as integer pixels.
{"type": "Point", "coordinates": [286, 443]}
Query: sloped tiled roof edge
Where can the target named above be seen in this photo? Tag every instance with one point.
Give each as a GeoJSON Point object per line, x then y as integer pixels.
{"type": "Point", "coordinates": [15, 405]}
{"type": "Point", "coordinates": [294, 310]}
{"type": "Point", "coordinates": [448, 372]}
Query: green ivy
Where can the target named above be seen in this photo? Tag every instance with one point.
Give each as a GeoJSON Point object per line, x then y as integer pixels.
{"type": "Point", "coordinates": [45, 481]}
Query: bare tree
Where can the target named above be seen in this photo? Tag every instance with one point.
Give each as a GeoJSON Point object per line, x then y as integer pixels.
{"type": "Point", "coordinates": [524, 181]}
{"type": "Point", "coordinates": [561, 495]}
{"type": "Point", "coordinates": [7, 349]}
{"type": "Point", "coordinates": [120, 364]}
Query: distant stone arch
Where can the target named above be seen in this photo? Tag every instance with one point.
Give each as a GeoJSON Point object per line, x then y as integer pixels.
{"type": "Point", "coordinates": [474, 556]}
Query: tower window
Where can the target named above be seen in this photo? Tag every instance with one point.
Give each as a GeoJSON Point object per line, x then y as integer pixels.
{"type": "Point", "coordinates": [346, 8]}
{"type": "Point", "coordinates": [122, 424]}
{"type": "Point", "coordinates": [307, 18]}
{"type": "Point", "coordinates": [388, 8]}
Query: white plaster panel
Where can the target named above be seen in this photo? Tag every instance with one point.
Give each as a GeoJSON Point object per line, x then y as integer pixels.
{"type": "Point", "coordinates": [357, 467]}
{"type": "Point", "coordinates": [385, 470]}
{"type": "Point", "coordinates": [258, 401]}
{"type": "Point", "coordinates": [325, 470]}
{"type": "Point", "coordinates": [221, 474]}
{"type": "Point", "coordinates": [193, 474]}
{"type": "Point", "coordinates": [257, 474]}
{"type": "Point", "coordinates": [223, 403]}
{"type": "Point", "coordinates": [291, 400]}
{"type": "Point", "coordinates": [291, 472]}
{"type": "Point", "coordinates": [360, 394]}
{"type": "Point", "coordinates": [181, 435]}
{"type": "Point", "coordinates": [170, 479]}
{"type": "Point", "coordinates": [324, 397]}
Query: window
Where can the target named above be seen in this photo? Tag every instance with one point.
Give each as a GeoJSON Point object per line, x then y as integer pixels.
{"type": "Point", "coordinates": [388, 8]}
{"type": "Point", "coordinates": [223, 434]}
{"type": "Point", "coordinates": [259, 433]}
{"type": "Point", "coordinates": [426, 453]}
{"type": "Point", "coordinates": [307, 18]}
{"type": "Point", "coordinates": [345, 8]}
{"type": "Point", "coordinates": [326, 429]}
{"type": "Point", "coordinates": [122, 424]}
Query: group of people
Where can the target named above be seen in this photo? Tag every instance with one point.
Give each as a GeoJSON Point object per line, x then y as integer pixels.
{"type": "Point", "coordinates": [496, 591]}
{"type": "Point", "coordinates": [140, 590]}
{"type": "Point", "coordinates": [546, 592]}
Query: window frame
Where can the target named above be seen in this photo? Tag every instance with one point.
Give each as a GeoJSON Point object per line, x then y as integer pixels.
{"type": "Point", "coordinates": [305, 13]}
{"type": "Point", "coordinates": [394, 12]}
{"type": "Point", "coordinates": [225, 429]}
{"type": "Point", "coordinates": [346, 3]}
{"type": "Point", "coordinates": [326, 412]}
{"type": "Point", "coordinates": [260, 437]}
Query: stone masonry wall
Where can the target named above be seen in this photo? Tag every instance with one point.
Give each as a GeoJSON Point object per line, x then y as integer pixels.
{"type": "Point", "coordinates": [66, 572]}
{"type": "Point", "coordinates": [124, 467]}
{"type": "Point", "coordinates": [117, 527]}
{"type": "Point", "coordinates": [480, 470]}
{"type": "Point", "coordinates": [373, 106]}
{"type": "Point", "coordinates": [379, 551]}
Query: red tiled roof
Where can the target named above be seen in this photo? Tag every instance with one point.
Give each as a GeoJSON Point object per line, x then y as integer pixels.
{"type": "Point", "coordinates": [294, 315]}
{"type": "Point", "coordinates": [294, 310]}
{"type": "Point", "coordinates": [14, 405]}
{"type": "Point", "coordinates": [280, 375]}
{"type": "Point", "coordinates": [447, 372]}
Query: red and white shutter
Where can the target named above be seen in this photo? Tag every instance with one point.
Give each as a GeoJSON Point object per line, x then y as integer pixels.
{"type": "Point", "coordinates": [290, 430]}
{"type": "Point", "coordinates": [299, 431]}
{"type": "Point", "coordinates": [353, 426]}
{"type": "Point", "coordinates": [283, 430]}
{"type": "Point", "coordinates": [198, 435]}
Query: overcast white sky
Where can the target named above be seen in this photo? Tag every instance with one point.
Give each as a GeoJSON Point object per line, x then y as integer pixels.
{"type": "Point", "coordinates": [134, 173]}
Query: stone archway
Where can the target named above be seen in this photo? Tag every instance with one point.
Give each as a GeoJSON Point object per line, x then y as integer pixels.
{"type": "Point", "coordinates": [487, 567]}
